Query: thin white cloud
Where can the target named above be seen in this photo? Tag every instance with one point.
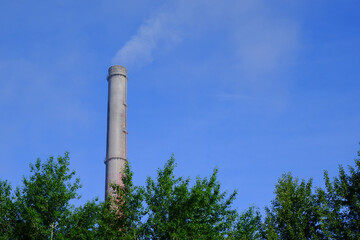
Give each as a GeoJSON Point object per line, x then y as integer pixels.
{"type": "Point", "coordinates": [265, 45]}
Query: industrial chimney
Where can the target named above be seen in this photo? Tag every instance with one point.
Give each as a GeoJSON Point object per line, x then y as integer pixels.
{"type": "Point", "coordinates": [116, 155]}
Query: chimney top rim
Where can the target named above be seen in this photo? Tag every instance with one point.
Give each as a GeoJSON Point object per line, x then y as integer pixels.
{"type": "Point", "coordinates": [117, 70]}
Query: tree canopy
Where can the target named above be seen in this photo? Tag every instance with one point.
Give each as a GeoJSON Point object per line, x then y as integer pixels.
{"type": "Point", "coordinates": [171, 207]}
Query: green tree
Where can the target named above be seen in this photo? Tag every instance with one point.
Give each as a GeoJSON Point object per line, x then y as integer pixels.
{"type": "Point", "coordinates": [40, 209]}
{"type": "Point", "coordinates": [247, 225]}
{"type": "Point", "coordinates": [121, 214]}
{"type": "Point", "coordinates": [177, 211]}
{"type": "Point", "coordinates": [7, 219]}
{"type": "Point", "coordinates": [341, 203]}
{"type": "Point", "coordinates": [42, 204]}
{"type": "Point", "coordinates": [295, 211]}
{"type": "Point", "coordinates": [82, 223]}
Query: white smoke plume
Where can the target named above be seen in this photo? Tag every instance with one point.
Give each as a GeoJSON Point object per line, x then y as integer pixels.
{"type": "Point", "coordinates": [139, 49]}
{"type": "Point", "coordinates": [261, 38]}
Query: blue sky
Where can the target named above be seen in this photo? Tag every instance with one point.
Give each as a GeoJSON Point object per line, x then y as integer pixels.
{"type": "Point", "coordinates": [256, 88]}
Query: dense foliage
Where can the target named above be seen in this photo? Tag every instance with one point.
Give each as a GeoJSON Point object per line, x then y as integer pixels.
{"type": "Point", "coordinates": [170, 207]}
{"type": "Point", "coordinates": [178, 211]}
{"type": "Point", "coordinates": [294, 213]}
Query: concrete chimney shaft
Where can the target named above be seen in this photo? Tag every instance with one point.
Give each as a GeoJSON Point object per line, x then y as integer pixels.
{"type": "Point", "coordinates": [116, 145]}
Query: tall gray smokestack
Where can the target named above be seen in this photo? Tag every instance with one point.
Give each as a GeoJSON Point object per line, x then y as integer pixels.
{"type": "Point", "coordinates": [116, 155]}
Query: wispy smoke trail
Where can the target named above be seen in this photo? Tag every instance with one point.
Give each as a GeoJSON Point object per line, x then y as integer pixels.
{"type": "Point", "coordinates": [139, 49]}
{"type": "Point", "coordinates": [261, 41]}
